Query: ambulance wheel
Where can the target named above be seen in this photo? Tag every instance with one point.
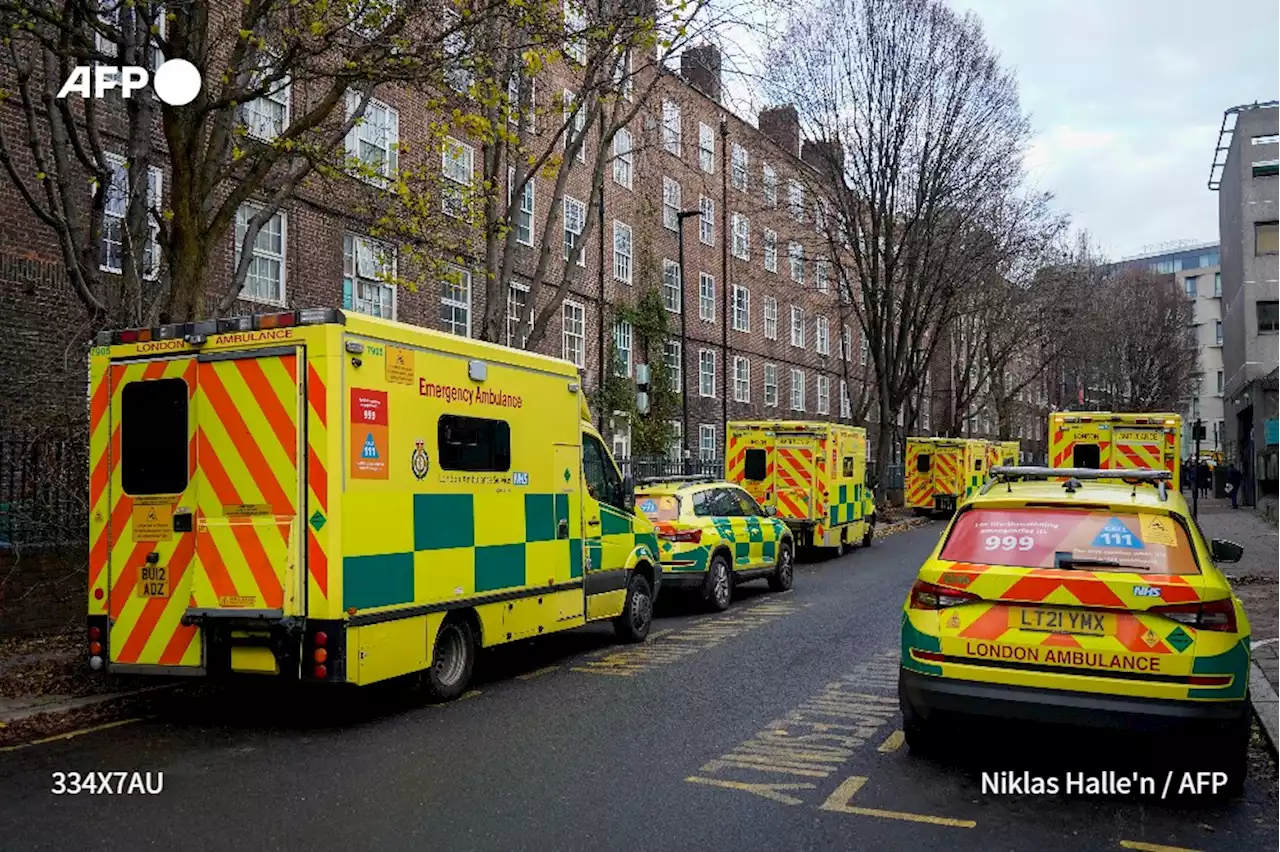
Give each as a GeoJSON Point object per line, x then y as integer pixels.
{"type": "Point", "coordinates": [455, 657]}
{"type": "Point", "coordinates": [871, 531]}
{"type": "Point", "coordinates": [637, 614]}
{"type": "Point", "coordinates": [718, 592]}
{"type": "Point", "coordinates": [781, 578]}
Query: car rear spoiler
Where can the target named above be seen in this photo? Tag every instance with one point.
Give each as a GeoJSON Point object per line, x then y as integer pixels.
{"type": "Point", "coordinates": [1075, 476]}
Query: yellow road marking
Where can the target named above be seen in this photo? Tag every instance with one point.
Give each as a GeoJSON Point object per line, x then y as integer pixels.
{"type": "Point", "coordinates": [78, 733]}
{"type": "Point", "coordinates": [1152, 847]}
{"type": "Point", "coordinates": [472, 694]}
{"type": "Point", "coordinates": [838, 802]}
{"type": "Point", "coordinates": [538, 672]}
{"type": "Point", "coordinates": [768, 791]}
{"type": "Point", "coordinates": [893, 743]}
{"type": "Point", "coordinates": [660, 633]}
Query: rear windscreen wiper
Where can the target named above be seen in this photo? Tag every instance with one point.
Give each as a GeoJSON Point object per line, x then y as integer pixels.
{"type": "Point", "coordinates": [1064, 560]}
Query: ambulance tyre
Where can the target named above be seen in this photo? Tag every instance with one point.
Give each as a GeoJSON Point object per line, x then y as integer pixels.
{"type": "Point", "coordinates": [718, 589]}
{"type": "Point", "coordinates": [780, 580]}
{"type": "Point", "coordinates": [455, 657]}
{"type": "Point", "coordinates": [637, 614]}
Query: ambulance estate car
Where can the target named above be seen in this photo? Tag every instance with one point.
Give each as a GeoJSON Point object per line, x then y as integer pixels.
{"type": "Point", "coordinates": [1081, 602]}
{"type": "Point", "coordinates": [338, 498]}
{"type": "Point", "coordinates": [713, 535]}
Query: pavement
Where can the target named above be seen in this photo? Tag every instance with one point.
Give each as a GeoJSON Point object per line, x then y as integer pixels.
{"type": "Point", "coordinates": [773, 726]}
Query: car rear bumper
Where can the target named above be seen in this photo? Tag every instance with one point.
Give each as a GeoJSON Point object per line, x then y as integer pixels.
{"type": "Point", "coordinates": [923, 696]}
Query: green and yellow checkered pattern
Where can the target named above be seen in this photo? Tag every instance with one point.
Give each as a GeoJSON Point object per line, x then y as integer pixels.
{"type": "Point", "coordinates": [753, 542]}
{"type": "Point", "coordinates": [853, 504]}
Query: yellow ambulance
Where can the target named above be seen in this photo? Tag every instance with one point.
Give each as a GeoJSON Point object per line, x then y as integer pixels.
{"type": "Point", "coordinates": [335, 498]}
{"type": "Point", "coordinates": [1105, 440]}
{"type": "Point", "coordinates": [941, 472]}
{"type": "Point", "coordinates": [813, 473]}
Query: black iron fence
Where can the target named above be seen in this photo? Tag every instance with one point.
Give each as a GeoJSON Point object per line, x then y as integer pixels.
{"type": "Point", "coordinates": [646, 468]}
{"type": "Point", "coordinates": [43, 492]}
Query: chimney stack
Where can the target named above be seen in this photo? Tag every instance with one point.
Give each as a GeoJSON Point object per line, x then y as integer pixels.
{"type": "Point", "coordinates": [782, 125]}
{"type": "Point", "coordinates": [824, 155]}
{"type": "Point", "coordinates": [700, 66]}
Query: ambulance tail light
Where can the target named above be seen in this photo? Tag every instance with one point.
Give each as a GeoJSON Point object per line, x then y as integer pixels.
{"type": "Point", "coordinates": [928, 596]}
{"type": "Point", "coordinates": [1219, 615]}
{"type": "Point", "coordinates": [686, 536]}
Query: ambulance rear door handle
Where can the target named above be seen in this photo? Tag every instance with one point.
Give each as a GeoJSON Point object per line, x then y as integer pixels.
{"type": "Point", "coordinates": [594, 523]}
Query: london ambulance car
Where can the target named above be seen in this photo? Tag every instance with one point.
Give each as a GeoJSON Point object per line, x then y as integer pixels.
{"type": "Point", "coordinates": [335, 498]}
{"type": "Point", "coordinates": [941, 472]}
{"type": "Point", "coordinates": [1109, 441]}
{"type": "Point", "coordinates": [813, 474]}
{"type": "Point", "coordinates": [1083, 603]}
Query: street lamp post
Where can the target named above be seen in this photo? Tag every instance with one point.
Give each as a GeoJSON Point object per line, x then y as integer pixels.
{"type": "Point", "coordinates": [684, 372]}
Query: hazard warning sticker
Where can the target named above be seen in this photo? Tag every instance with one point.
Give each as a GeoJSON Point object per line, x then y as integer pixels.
{"type": "Point", "coordinates": [368, 434]}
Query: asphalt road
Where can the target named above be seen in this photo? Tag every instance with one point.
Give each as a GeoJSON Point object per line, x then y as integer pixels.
{"type": "Point", "coordinates": [772, 726]}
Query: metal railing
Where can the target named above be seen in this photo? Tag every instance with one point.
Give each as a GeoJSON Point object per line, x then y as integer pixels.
{"type": "Point", "coordinates": [43, 500]}
{"type": "Point", "coordinates": [648, 468]}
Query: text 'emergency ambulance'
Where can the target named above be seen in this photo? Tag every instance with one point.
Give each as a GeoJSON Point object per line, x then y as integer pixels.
{"type": "Point", "coordinates": [469, 396]}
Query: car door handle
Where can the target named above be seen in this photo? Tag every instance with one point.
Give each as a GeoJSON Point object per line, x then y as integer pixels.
{"type": "Point", "coordinates": [594, 523]}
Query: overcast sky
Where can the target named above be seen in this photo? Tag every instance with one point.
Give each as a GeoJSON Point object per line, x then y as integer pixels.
{"type": "Point", "coordinates": [1126, 98]}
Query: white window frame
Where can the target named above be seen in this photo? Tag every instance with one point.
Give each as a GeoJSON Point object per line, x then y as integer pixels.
{"type": "Point", "coordinates": [672, 298]}
{"type": "Point", "coordinates": [846, 405]}
{"type": "Point", "coordinates": [623, 249]}
{"type": "Point", "coordinates": [770, 250]}
{"type": "Point", "coordinates": [707, 442]}
{"type": "Point", "coordinates": [770, 181]}
{"type": "Point", "coordinates": [795, 262]}
{"type": "Point", "coordinates": [623, 340]}
{"type": "Point", "coordinates": [770, 318]}
{"type": "Point", "coordinates": [707, 220]}
{"type": "Point", "coordinates": [574, 342]}
{"type": "Point", "coordinates": [257, 116]}
{"type": "Point", "coordinates": [675, 449]}
{"type": "Point", "coordinates": [741, 301]}
{"type": "Point", "coordinates": [741, 237]}
{"type": "Point", "coordinates": [150, 248]}
{"type": "Point", "coordinates": [824, 394]}
{"type": "Point", "coordinates": [514, 318]}
{"type": "Point", "coordinates": [797, 326]}
{"type": "Point", "coordinates": [457, 172]}
{"type": "Point", "coordinates": [448, 301]}
{"type": "Point", "coordinates": [365, 131]}
{"type": "Point", "coordinates": [671, 201]}
{"type": "Point", "coordinates": [741, 378]}
{"type": "Point", "coordinates": [528, 206]}
{"type": "Point", "coordinates": [382, 262]}
{"type": "Point", "coordinates": [741, 165]}
{"type": "Point", "coordinates": [798, 380]}
{"type": "Point", "coordinates": [707, 373]}
{"type": "Point", "coordinates": [706, 297]}
{"type": "Point", "coordinates": [581, 219]}
{"type": "Point", "coordinates": [673, 355]}
{"type": "Point", "coordinates": [795, 199]}
{"type": "Point", "coordinates": [822, 275]}
{"type": "Point", "coordinates": [672, 130]}
{"type": "Point", "coordinates": [244, 213]}
{"type": "Point", "coordinates": [706, 148]}
{"type": "Point", "coordinates": [822, 335]}
{"type": "Point", "coordinates": [771, 385]}
{"type": "Point", "coordinates": [846, 343]}
{"type": "Point", "coordinates": [575, 21]}
{"type": "Point", "coordinates": [623, 158]}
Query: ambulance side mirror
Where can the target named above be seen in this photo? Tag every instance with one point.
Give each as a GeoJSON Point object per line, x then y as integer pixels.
{"type": "Point", "coordinates": [1225, 551]}
{"type": "Point", "coordinates": [771, 510]}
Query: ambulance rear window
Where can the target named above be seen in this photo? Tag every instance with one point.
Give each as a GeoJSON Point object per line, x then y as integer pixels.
{"type": "Point", "coordinates": [1086, 455]}
{"type": "Point", "coordinates": [922, 463]}
{"type": "Point", "coordinates": [755, 466]}
{"type": "Point", "coordinates": [474, 444]}
{"type": "Point", "coordinates": [659, 507]}
{"type": "Point", "coordinates": [153, 437]}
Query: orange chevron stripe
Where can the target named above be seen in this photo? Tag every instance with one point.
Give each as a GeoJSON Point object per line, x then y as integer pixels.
{"type": "Point", "coordinates": [256, 463]}
{"type": "Point", "coordinates": [178, 644]}
{"type": "Point", "coordinates": [214, 567]}
{"type": "Point", "coordinates": [318, 478]}
{"type": "Point", "coordinates": [281, 421]}
{"type": "Point", "coordinates": [155, 370]}
{"type": "Point", "coordinates": [98, 405]}
{"type": "Point", "coordinates": [155, 607]}
{"type": "Point", "coordinates": [317, 562]}
{"type": "Point", "coordinates": [316, 395]}
{"type": "Point", "coordinates": [990, 625]}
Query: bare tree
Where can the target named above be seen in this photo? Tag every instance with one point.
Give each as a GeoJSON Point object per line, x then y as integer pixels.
{"type": "Point", "coordinates": [922, 136]}
{"type": "Point", "coordinates": [284, 84]}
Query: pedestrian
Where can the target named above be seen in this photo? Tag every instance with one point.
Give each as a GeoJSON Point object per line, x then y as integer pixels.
{"type": "Point", "coordinates": [1204, 479]}
{"type": "Point", "coordinates": [1187, 482]}
{"type": "Point", "coordinates": [1234, 480]}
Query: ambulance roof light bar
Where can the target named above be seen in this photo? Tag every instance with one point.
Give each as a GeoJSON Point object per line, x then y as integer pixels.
{"type": "Point", "coordinates": [1003, 473]}
{"type": "Point", "coordinates": [197, 332]}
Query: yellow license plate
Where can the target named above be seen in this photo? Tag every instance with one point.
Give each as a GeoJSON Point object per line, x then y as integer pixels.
{"type": "Point", "coordinates": [1077, 622]}
{"type": "Point", "coordinates": [153, 581]}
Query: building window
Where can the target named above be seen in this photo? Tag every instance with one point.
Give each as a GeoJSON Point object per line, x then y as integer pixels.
{"type": "Point", "coordinates": [524, 216]}
{"type": "Point", "coordinates": [770, 250]}
{"type": "Point", "coordinates": [770, 318]}
{"type": "Point", "coordinates": [824, 395]}
{"type": "Point", "coordinates": [457, 163]}
{"type": "Point", "coordinates": [771, 385]}
{"type": "Point", "coordinates": [822, 276]}
{"type": "Point", "coordinates": [671, 127]}
{"type": "Point", "coordinates": [264, 282]}
{"type": "Point", "coordinates": [770, 181]}
{"type": "Point", "coordinates": [795, 258]}
{"type": "Point", "coordinates": [513, 100]}
{"type": "Point", "coordinates": [707, 442]}
{"type": "Point", "coordinates": [670, 204]}
{"type": "Point", "coordinates": [706, 297]}
{"type": "Point", "coordinates": [111, 254]}
{"type": "Point", "coordinates": [265, 117]}
{"type": "Point", "coordinates": [846, 343]}
{"type": "Point", "coordinates": [1268, 318]}
{"type": "Point", "coordinates": [375, 139]}
{"type": "Point", "coordinates": [621, 252]}
{"type": "Point", "coordinates": [741, 237]}
{"type": "Point", "coordinates": [1191, 286]}
{"type": "Point", "coordinates": [575, 333]}
{"type": "Point", "coordinates": [1217, 284]}
{"type": "Point", "coordinates": [846, 410]}
{"type": "Point", "coordinates": [622, 157]}
{"type": "Point", "coordinates": [741, 379]}
{"type": "Point", "coordinates": [1219, 383]}
{"type": "Point", "coordinates": [822, 329]}
{"type": "Point", "coordinates": [862, 351]}
{"type": "Point", "coordinates": [797, 326]}
{"type": "Point", "coordinates": [622, 348]}
{"type": "Point", "coordinates": [1265, 238]}
{"type": "Point", "coordinates": [519, 312]}
{"type": "Point", "coordinates": [797, 390]}
{"type": "Point", "coordinates": [706, 372]}
{"type": "Point", "coordinates": [706, 148]}
{"type": "Point", "coordinates": [741, 308]}
{"type": "Point", "coordinates": [707, 221]}
{"type": "Point", "coordinates": [1217, 332]}
{"type": "Point", "coordinates": [575, 123]}
{"type": "Point", "coordinates": [575, 216]}
{"type": "Point", "coordinates": [455, 300]}
{"type": "Point", "coordinates": [676, 449]}
{"type": "Point", "coordinates": [368, 267]}
{"type": "Point", "coordinates": [575, 22]}
{"type": "Point", "coordinates": [741, 163]}
{"type": "Point", "coordinates": [672, 356]}
{"type": "Point", "coordinates": [795, 200]}
{"type": "Point", "coordinates": [671, 295]}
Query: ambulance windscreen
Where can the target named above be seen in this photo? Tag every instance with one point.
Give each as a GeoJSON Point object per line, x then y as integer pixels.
{"type": "Point", "coordinates": [153, 437]}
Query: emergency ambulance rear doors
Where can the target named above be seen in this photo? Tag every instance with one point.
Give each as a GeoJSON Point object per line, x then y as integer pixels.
{"type": "Point", "coordinates": [202, 479]}
{"type": "Point", "coordinates": [795, 459]}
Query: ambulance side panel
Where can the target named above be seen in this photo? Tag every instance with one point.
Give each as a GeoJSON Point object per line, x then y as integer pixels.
{"type": "Point", "coordinates": [457, 493]}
